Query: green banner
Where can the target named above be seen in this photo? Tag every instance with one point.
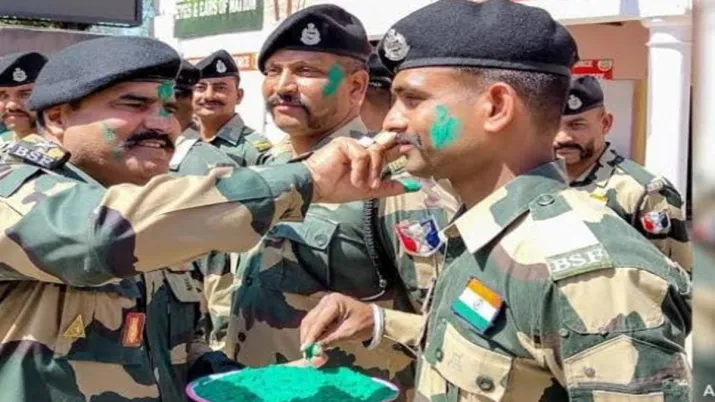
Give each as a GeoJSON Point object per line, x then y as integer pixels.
{"type": "Point", "coordinates": [195, 18]}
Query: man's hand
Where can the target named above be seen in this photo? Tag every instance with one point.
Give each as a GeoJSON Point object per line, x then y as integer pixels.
{"type": "Point", "coordinates": [344, 170]}
{"type": "Point", "coordinates": [337, 318]}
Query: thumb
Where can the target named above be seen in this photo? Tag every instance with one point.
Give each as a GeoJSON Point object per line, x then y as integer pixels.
{"type": "Point", "coordinates": [389, 188]}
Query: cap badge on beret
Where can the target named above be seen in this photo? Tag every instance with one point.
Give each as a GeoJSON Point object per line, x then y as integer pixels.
{"type": "Point", "coordinates": [220, 67]}
{"type": "Point", "coordinates": [574, 102]}
{"type": "Point", "coordinates": [310, 35]}
{"type": "Point", "coordinates": [395, 45]}
{"type": "Point", "coordinates": [19, 75]}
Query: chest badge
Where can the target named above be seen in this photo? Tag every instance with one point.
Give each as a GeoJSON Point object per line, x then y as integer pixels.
{"type": "Point", "coordinates": [478, 305]}
{"type": "Point", "coordinates": [133, 335]}
{"type": "Point", "coordinates": [421, 237]}
{"type": "Point", "coordinates": [656, 222]}
{"type": "Point", "coordinates": [76, 329]}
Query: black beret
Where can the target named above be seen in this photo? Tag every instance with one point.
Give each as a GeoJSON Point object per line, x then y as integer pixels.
{"type": "Point", "coordinates": [321, 28]}
{"type": "Point", "coordinates": [585, 94]}
{"type": "Point", "coordinates": [499, 34]}
{"type": "Point", "coordinates": [20, 68]}
{"type": "Point", "coordinates": [379, 75]}
{"type": "Point", "coordinates": [189, 75]}
{"type": "Point", "coordinates": [218, 64]}
{"type": "Point", "coordinates": [90, 66]}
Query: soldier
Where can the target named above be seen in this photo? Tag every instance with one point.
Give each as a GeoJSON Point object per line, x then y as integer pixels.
{"type": "Point", "coordinates": [378, 98]}
{"type": "Point", "coordinates": [315, 81]}
{"type": "Point", "coordinates": [188, 77]}
{"type": "Point", "coordinates": [88, 312]}
{"type": "Point", "coordinates": [649, 203]}
{"type": "Point", "coordinates": [215, 100]}
{"type": "Point", "coordinates": [18, 72]}
{"type": "Point", "coordinates": [544, 294]}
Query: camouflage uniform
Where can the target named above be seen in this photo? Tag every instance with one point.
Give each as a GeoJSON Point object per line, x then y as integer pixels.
{"type": "Point", "coordinates": [544, 295]}
{"type": "Point", "coordinates": [81, 269]}
{"type": "Point", "coordinates": [333, 249]}
{"type": "Point", "coordinates": [6, 136]}
{"type": "Point", "coordinates": [635, 195]}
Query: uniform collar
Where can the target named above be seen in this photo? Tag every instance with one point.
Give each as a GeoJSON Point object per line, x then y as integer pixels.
{"type": "Point", "coordinates": [602, 170]}
{"type": "Point", "coordinates": [486, 220]}
{"type": "Point", "coordinates": [231, 131]}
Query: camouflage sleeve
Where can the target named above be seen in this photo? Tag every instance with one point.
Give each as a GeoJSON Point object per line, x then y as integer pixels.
{"type": "Point", "coordinates": [660, 218]}
{"type": "Point", "coordinates": [617, 334]}
{"type": "Point", "coordinates": [84, 235]}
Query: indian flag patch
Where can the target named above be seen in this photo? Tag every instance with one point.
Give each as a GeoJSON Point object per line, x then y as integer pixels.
{"type": "Point", "coordinates": [478, 305]}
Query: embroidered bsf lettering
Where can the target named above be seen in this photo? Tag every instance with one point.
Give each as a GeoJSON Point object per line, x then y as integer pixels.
{"type": "Point", "coordinates": [579, 261]}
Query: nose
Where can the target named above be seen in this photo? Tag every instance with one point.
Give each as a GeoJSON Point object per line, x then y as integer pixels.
{"type": "Point", "coordinates": [286, 84]}
{"type": "Point", "coordinates": [159, 120]}
{"type": "Point", "coordinates": [562, 136]}
{"type": "Point", "coordinates": [395, 121]}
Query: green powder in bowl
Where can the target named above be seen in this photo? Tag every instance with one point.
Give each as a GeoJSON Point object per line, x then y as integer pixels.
{"type": "Point", "coordinates": [281, 383]}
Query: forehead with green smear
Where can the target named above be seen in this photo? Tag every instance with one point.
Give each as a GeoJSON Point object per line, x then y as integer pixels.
{"type": "Point", "coordinates": [445, 128]}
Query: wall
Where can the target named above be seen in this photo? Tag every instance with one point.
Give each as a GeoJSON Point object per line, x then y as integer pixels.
{"type": "Point", "coordinates": [625, 44]}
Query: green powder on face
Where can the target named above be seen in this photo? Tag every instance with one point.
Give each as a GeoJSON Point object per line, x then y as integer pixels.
{"type": "Point", "coordinates": [165, 91]}
{"type": "Point", "coordinates": [163, 113]}
{"type": "Point", "coordinates": [445, 128]}
{"type": "Point", "coordinates": [336, 75]}
{"type": "Point", "coordinates": [293, 384]}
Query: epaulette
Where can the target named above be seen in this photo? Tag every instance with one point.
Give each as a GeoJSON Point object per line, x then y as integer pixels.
{"type": "Point", "coordinates": [181, 151]}
{"type": "Point", "coordinates": [582, 253]}
{"type": "Point", "coordinates": [636, 171]}
{"type": "Point", "coordinates": [38, 151]}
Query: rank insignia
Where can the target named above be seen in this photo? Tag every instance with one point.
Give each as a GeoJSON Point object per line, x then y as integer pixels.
{"type": "Point", "coordinates": [478, 305]}
{"type": "Point", "coordinates": [133, 335]}
{"type": "Point", "coordinates": [76, 329]}
{"type": "Point", "coordinates": [420, 238]}
{"type": "Point", "coordinates": [656, 222]}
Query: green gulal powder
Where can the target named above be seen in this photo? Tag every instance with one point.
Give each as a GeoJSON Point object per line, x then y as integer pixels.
{"type": "Point", "coordinates": [280, 383]}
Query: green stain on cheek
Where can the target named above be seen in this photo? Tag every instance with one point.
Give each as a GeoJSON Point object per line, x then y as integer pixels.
{"type": "Point", "coordinates": [117, 153]}
{"type": "Point", "coordinates": [445, 128]}
{"type": "Point", "coordinates": [165, 91]}
{"type": "Point", "coordinates": [336, 75]}
{"type": "Point", "coordinates": [108, 134]}
{"type": "Point", "coordinates": [163, 113]}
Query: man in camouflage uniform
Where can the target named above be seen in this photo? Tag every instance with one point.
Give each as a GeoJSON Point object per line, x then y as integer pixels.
{"type": "Point", "coordinates": [86, 227]}
{"type": "Point", "coordinates": [544, 294]}
{"type": "Point", "coordinates": [215, 99]}
{"type": "Point", "coordinates": [649, 203]}
{"type": "Point", "coordinates": [18, 72]}
{"type": "Point", "coordinates": [314, 64]}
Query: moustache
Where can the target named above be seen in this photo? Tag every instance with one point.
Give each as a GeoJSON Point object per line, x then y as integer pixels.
{"type": "Point", "coordinates": [407, 139]}
{"type": "Point", "coordinates": [136, 140]}
{"type": "Point", "coordinates": [212, 103]}
{"type": "Point", "coordinates": [15, 111]}
{"type": "Point", "coordinates": [284, 100]}
{"type": "Point", "coordinates": [571, 145]}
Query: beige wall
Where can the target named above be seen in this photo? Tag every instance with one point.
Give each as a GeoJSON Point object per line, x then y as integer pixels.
{"type": "Point", "coordinates": [625, 44]}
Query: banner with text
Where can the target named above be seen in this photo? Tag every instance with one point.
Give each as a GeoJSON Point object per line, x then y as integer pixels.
{"type": "Point", "coordinates": [196, 18]}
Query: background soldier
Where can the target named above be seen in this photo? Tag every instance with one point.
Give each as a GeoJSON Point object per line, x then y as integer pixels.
{"type": "Point", "coordinates": [649, 203]}
{"type": "Point", "coordinates": [316, 78]}
{"type": "Point", "coordinates": [215, 99]}
{"type": "Point", "coordinates": [512, 315]}
{"type": "Point", "coordinates": [188, 77]}
{"type": "Point", "coordinates": [378, 98]}
{"type": "Point", "coordinates": [18, 72]}
{"type": "Point", "coordinates": [88, 310]}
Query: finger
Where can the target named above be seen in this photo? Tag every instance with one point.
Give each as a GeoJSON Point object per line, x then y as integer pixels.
{"type": "Point", "coordinates": [376, 165]}
{"type": "Point", "coordinates": [319, 361]}
{"type": "Point", "coordinates": [323, 319]}
{"type": "Point", "coordinates": [299, 363]}
{"type": "Point", "coordinates": [390, 188]}
{"type": "Point", "coordinates": [359, 163]}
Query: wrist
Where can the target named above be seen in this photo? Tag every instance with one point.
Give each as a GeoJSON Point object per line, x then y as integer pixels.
{"type": "Point", "coordinates": [378, 326]}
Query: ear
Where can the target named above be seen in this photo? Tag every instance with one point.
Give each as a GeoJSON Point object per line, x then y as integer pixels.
{"type": "Point", "coordinates": [500, 103]}
{"type": "Point", "coordinates": [239, 96]}
{"type": "Point", "coordinates": [606, 123]}
{"type": "Point", "coordinates": [54, 118]}
{"type": "Point", "coordinates": [357, 85]}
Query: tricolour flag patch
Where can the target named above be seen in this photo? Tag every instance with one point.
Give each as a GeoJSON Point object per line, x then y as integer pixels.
{"type": "Point", "coordinates": [478, 305]}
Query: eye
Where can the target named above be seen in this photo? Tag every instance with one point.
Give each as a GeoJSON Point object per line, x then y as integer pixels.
{"type": "Point", "coordinates": [273, 71]}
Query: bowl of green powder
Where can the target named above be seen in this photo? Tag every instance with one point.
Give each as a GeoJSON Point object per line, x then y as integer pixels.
{"type": "Point", "coordinates": [281, 383]}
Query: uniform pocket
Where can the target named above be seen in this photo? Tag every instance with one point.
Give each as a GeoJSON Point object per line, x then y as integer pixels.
{"type": "Point", "coordinates": [480, 373]}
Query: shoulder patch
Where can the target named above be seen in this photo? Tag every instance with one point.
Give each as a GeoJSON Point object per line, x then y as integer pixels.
{"type": "Point", "coordinates": [576, 262]}
{"type": "Point", "coordinates": [38, 151]}
{"type": "Point", "coordinates": [262, 145]}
